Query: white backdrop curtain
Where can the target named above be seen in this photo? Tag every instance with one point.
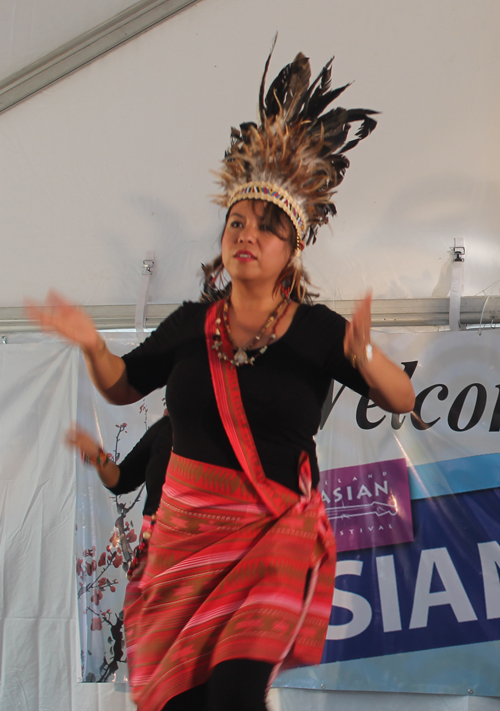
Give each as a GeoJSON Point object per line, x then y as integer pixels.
{"type": "Point", "coordinates": [39, 651]}
{"type": "Point", "coordinates": [47, 497]}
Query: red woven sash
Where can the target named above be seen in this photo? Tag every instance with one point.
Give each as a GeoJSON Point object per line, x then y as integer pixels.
{"type": "Point", "coordinates": [234, 419]}
{"type": "Point", "coordinates": [232, 412]}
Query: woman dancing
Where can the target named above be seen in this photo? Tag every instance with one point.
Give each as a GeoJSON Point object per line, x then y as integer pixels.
{"type": "Point", "coordinates": [239, 575]}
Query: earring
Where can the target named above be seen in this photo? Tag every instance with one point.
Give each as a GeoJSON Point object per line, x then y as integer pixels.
{"type": "Point", "coordinates": [286, 288]}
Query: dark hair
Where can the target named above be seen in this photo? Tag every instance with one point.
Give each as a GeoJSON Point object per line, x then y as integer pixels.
{"type": "Point", "coordinates": [293, 280]}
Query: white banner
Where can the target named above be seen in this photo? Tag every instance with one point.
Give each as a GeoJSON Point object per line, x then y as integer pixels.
{"type": "Point", "coordinates": [38, 395]}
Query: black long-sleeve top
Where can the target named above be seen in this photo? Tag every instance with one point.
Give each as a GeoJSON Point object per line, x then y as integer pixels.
{"type": "Point", "coordinates": [282, 393]}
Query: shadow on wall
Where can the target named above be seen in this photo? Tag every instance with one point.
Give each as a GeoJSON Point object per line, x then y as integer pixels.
{"type": "Point", "coordinates": [419, 230]}
{"type": "Point", "coordinates": [178, 254]}
{"type": "Point", "coordinates": [407, 255]}
{"type": "Point", "coordinates": [179, 251]}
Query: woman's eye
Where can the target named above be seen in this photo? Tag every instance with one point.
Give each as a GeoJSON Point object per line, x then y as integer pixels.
{"type": "Point", "coordinates": [235, 223]}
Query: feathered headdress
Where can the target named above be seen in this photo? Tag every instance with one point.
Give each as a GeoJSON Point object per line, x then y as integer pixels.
{"type": "Point", "coordinates": [295, 157]}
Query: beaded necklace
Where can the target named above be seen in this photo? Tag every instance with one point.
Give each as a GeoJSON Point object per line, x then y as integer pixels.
{"type": "Point", "coordinates": [241, 356]}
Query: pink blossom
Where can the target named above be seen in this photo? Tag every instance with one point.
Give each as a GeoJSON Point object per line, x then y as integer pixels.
{"type": "Point", "coordinates": [118, 561]}
{"type": "Point", "coordinates": [96, 596]}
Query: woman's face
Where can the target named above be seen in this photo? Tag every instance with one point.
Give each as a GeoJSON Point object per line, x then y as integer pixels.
{"type": "Point", "coordinates": [250, 251]}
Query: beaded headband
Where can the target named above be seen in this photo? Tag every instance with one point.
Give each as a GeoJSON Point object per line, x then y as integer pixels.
{"type": "Point", "coordinates": [279, 196]}
{"type": "Point", "coordinates": [295, 157]}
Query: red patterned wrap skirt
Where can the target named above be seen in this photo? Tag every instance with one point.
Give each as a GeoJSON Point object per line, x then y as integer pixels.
{"type": "Point", "coordinates": [224, 578]}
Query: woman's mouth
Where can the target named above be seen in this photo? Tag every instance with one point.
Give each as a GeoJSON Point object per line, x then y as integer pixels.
{"type": "Point", "coordinates": [244, 256]}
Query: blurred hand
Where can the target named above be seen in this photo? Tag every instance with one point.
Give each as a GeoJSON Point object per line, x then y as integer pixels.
{"type": "Point", "coordinates": [357, 335]}
{"type": "Point", "coordinates": [57, 315]}
{"type": "Point", "coordinates": [79, 438]}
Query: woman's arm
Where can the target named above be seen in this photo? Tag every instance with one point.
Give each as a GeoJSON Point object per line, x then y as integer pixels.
{"type": "Point", "coordinates": [390, 387]}
{"type": "Point", "coordinates": [109, 472]}
{"type": "Point", "coordinates": [107, 371]}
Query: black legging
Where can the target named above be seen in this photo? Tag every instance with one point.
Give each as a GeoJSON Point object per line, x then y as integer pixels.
{"type": "Point", "coordinates": [238, 684]}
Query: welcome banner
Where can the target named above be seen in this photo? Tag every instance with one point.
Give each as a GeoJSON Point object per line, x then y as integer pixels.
{"type": "Point", "coordinates": [416, 510]}
{"type": "Point", "coordinates": [413, 501]}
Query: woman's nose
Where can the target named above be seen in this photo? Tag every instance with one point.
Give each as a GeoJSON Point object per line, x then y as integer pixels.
{"type": "Point", "coordinates": [248, 233]}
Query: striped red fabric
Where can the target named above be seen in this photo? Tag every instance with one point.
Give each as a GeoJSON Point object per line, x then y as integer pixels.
{"type": "Point", "coordinates": [225, 579]}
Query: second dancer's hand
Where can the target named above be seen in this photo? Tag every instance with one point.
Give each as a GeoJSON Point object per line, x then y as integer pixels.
{"type": "Point", "coordinates": [81, 440]}
{"type": "Point", "coordinates": [108, 471]}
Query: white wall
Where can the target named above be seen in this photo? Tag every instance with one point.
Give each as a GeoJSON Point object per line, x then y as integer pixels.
{"type": "Point", "coordinates": [115, 159]}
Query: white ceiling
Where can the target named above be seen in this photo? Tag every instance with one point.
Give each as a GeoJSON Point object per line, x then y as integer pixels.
{"type": "Point", "coordinates": [30, 29]}
{"type": "Point", "coordinates": [114, 160]}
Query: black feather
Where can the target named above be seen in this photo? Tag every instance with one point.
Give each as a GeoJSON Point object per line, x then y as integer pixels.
{"type": "Point", "coordinates": [288, 88]}
{"type": "Point", "coordinates": [263, 82]}
{"type": "Point", "coordinates": [277, 91]}
{"type": "Point", "coordinates": [319, 102]}
{"type": "Point", "coordinates": [300, 76]}
{"type": "Point", "coordinates": [325, 78]}
{"type": "Point", "coordinates": [367, 126]}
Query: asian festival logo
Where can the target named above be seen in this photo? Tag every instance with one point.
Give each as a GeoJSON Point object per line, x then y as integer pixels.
{"type": "Point", "coordinates": [368, 505]}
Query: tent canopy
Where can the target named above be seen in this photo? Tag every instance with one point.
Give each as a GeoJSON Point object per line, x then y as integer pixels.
{"type": "Point", "coordinates": [115, 159]}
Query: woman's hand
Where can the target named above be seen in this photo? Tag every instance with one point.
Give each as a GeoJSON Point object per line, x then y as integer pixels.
{"type": "Point", "coordinates": [357, 335]}
{"type": "Point", "coordinates": [109, 472]}
{"type": "Point", "coordinates": [57, 315]}
{"type": "Point", "coordinates": [390, 387]}
{"type": "Point", "coordinates": [79, 438]}
{"type": "Point", "coordinates": [107, 371]}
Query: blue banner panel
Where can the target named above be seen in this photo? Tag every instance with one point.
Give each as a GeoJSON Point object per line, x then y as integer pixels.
{"type": "Point", "coordinates": [465, 670]}
{"type": "Point", "coordinates": [442, 590]}
{"type": "Point", "coordinates": [454, 476]}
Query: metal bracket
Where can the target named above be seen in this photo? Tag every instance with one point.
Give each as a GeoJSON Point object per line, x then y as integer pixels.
{"type": "Point", "coordinates": [142, 297]}
{"type": "Point", "coordinates": [457, 282]}
{"type": "Point", "coordinates": [458, 251]}
{"type": "Point", "coordinates": [147, 267]}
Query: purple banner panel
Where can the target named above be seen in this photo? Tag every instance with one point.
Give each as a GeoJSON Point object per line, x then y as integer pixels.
{"type": "Point", "coordinates": [368, 505]}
